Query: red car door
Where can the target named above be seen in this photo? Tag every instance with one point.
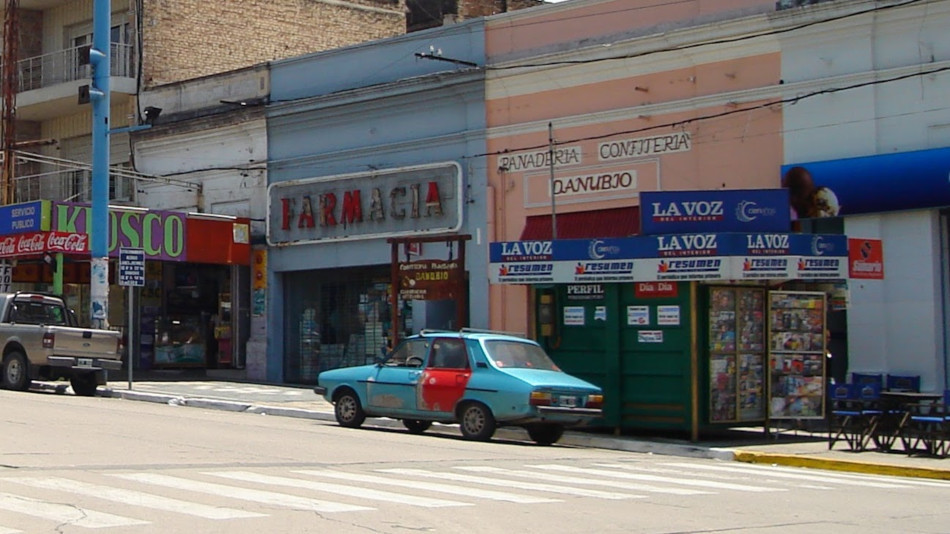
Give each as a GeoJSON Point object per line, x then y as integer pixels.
{"type": "Point", "coordinates": [445, 377]}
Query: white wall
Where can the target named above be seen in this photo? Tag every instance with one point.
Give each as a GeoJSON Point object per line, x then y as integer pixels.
{"type": "Point", "coordinates": [897, 324]}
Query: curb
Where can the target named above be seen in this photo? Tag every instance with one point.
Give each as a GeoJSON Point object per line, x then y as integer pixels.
{"type": "Point", "coordinates": [791, 460]}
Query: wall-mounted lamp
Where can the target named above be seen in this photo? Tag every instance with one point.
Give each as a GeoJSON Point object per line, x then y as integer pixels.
{"type": "Point", "coordinates": [151, 114]}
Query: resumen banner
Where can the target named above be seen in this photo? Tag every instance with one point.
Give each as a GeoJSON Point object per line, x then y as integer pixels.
{"type": "Point", "coordinates": [675, 257]}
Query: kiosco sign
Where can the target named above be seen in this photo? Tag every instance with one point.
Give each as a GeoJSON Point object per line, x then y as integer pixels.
{"type": "Point", "coordinates": [676, 212]}
{"type": "Point", "coordinates": [160, 233]}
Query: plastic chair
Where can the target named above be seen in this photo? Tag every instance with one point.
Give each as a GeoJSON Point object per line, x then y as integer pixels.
{"type": "Point", "coordinates": [928, 428]}
{"type": "Point", "coordinates": [868, 378]}
{"type": "Point", "coordinates": [903, 383]}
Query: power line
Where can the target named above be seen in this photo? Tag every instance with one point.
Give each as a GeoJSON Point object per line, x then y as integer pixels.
{"type": "Point", "coordinates": [684, 122]}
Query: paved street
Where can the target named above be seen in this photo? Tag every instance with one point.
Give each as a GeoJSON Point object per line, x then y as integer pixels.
{"type": "Point", "coordinates": [70, 464]}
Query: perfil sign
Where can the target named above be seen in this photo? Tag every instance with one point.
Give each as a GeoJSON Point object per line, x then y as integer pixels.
{"type": "Point", "coordinates": [387, 203]}
{"type": "Point", "coordinates": [740, 210]}
{"type": "Point", "coordinates": [160, 233]}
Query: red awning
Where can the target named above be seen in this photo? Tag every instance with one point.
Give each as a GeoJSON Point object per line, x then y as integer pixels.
{"type": "Point", "coordinates": [617, 222]}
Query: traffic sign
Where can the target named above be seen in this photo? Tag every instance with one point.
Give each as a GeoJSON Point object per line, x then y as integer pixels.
{"type": "Point", "coordinates": [132, 267]}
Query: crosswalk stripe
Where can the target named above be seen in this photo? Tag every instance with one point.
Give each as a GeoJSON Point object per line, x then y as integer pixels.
{"type": "Point", "coordinates": [134, 498]}
{"type": "Point", "coordinates": [264, 497]}
{"type": "Point", "coordinates": [581, 492]}
{"type": "Point", "coordinates": [362, 493]}
{"type": "Point", "coordinates": [791, 476]}
{"type": "Point", "coordinates": [584, 481]}
{"type": "Point", "coordinates": [5, 530]}
{"type": "Point", "coordinates": [430, 486]}
{"type": "Point", "coordinates": [64, 513]}
{"type": "Point", "coordinates": [654, 478]}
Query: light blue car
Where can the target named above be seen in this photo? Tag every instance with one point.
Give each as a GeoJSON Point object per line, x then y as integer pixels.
{"type": "Point", "coordinates": [478, 379]}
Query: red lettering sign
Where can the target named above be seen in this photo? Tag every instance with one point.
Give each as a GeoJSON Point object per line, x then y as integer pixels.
{"type": "Point", "coordinates": [653, 290]}
{"type": "Point", "coordinates": [866, 259]}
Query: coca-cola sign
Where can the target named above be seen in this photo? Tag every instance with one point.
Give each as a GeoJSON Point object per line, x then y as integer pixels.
{"type": "Point", "coordinates": [34, 244]}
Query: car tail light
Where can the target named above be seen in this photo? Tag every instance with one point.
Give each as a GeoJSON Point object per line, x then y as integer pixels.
{"type": "Point", "coordinates": [48, 340]}
{"type": "Point", "coordinates": [595, 401]}
{"type": "Point", "coordinates": [540, 398]}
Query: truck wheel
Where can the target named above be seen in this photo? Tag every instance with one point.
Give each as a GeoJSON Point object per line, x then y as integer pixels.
{"type": "Point", "coordinates": [84, 385]}
{"type": "Point", "coordinates": [15, 372]}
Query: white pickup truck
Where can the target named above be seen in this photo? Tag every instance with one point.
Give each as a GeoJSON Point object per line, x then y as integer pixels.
{"type": "Point", "coordinates": [41, 340]}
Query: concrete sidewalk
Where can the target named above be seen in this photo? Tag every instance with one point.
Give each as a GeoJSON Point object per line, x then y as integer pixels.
{"type": "Point", "coordinates": [800, 448]}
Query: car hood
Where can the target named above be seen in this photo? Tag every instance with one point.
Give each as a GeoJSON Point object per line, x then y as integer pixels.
{"type": "Point", "coordinates": [538, 377]}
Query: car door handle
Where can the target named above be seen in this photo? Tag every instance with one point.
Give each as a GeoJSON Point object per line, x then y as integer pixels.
{"type": "Point", "coordinates": [414, 374]}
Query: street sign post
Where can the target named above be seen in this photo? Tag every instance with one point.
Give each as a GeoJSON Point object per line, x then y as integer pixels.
{"type": "Point", "coordinates": [131, 274]}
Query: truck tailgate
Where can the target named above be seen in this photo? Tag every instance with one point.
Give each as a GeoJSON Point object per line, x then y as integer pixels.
{"type": "Point", "coordinates": [85, 342]}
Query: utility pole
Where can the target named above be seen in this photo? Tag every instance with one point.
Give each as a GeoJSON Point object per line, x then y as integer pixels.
{"type": "Point", "coordinates": [11, 37]}
{"type": "Point", "coordinates": [100, 59]}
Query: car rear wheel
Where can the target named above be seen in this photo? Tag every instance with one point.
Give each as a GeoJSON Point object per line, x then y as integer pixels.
{"type": "Point", "coordinates": [84, 385]}
{"type": "Point", "coordinates": [15, 372]}
{"type": "Point", "coordinates": [416, 426]}
{"type": "Point", "coordinates": [545, 434]}
{"type": "Point", "coordinates": [348, 410]}
{"type": "Point", "coordinates": [477, 422]}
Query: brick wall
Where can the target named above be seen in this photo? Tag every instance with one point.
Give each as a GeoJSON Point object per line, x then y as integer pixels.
{"type": "Point", "coordinates": [468, 9]}
{"type": "Point", "coordinates": [185, 39]}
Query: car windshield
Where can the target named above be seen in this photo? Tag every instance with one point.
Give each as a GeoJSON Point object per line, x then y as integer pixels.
{"type": "Point", "coordinates": [518, 354]}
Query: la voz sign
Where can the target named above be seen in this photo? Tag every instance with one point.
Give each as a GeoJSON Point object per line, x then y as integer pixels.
{"type": "Point", "coordinates": [740, 210]}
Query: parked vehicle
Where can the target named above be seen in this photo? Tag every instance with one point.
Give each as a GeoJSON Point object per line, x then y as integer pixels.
{"type": "Point", "coordinates": [41, 340]}
{"type": "Point", "coordinates": [478, 379]}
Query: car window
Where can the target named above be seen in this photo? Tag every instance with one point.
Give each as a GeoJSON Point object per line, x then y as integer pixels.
{"type": "Point", "coordinates": [449, 353]}
{"type": "Point", "coordinates": [29, 312]}
{"type": "Point", "coordinates": [409, 353]}
{"type": "Point", "coordinates": [505, 353]}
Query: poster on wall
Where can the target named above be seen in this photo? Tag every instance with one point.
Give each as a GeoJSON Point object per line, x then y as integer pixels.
{"type": "Point", "coordinates": [736, 354]}
{"type": "Point", "coordinates": [796, 354]}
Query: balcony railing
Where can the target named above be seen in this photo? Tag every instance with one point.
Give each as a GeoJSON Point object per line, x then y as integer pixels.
{"type": "Point", "coordinates": [64, 66]}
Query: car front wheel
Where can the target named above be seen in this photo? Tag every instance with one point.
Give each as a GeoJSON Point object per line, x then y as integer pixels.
{"type": "Point", "coordinates": [348, 410]}
{"type": "Point", "coordinates": [545, 434]}
{"type": "Point", "coordinates": [477, 422]}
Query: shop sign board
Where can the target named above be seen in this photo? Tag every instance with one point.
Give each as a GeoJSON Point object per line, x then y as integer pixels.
{"type": "Point", "coordinates": [866, 259]}
{"type": "Point", "coordinates": [670, 258]}
{"type": "Point", "coordinates": [25, 217]}
{"type": "Point", "coordinates": [367, 205]}
{"type": "Point", "coordinates": [132, 267]}
{"type": "Point", "coordinates": [873, 184]}
{"type": "Point", "coordinates": [646, 290]}
{"type": "Point", "coordinates": [585, 292]}
{"type": "Point", "coordinates": [161, 234]}
{"type": "Point", "coordinates": [740, 210]}
{"type": "Point", "coordinates": [428, 280]}
{"type": "Point", "coordinates": [38, 243]}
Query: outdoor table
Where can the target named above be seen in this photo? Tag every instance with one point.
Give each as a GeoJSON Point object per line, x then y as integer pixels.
{"type": "Point", "coordinates": [895, 414]}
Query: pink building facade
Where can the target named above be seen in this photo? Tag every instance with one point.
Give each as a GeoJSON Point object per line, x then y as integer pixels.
{"type": "Point", "coordinates": [629, 97]}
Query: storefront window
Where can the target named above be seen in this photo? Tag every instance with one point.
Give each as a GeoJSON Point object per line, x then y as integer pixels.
{"type": "Point", "coordinates": [340, 321]}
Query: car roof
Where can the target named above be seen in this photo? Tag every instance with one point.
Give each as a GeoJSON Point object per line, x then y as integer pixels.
{"type": "Point", "coordinates": [467, 333]}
